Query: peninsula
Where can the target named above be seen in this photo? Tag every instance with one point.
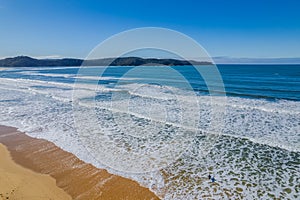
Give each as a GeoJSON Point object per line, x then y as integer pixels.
{"type": "Point", "coordinates": [25, 61]}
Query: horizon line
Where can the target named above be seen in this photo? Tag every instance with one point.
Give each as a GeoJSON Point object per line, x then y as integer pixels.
{"type": "Point", "coordinates": [215, 59]}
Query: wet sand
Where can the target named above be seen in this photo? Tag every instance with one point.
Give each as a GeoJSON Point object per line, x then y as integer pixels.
{"type": "Point", "coordinates": [77, 178]}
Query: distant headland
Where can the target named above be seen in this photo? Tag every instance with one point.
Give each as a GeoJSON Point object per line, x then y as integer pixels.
{"type": "Point", "coordinates": [25, 61]}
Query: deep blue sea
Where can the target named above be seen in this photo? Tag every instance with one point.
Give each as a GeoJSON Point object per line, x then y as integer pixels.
{"type": "Point", "coordinates": [249, 81]}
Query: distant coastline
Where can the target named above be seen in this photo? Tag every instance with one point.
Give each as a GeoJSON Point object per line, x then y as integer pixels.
{"type": "Point", "coordinates": [256, 61]}
{"type": "Point", "coordinates": [25, 61]}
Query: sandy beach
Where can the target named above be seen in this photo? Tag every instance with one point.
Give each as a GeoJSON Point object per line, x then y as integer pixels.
{"type": "Point", "coordinates": [74, 178]}
{"type": "Point", "coordinates": [17, 182]}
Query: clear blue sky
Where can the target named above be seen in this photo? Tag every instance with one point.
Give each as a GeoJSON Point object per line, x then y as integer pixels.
{"type": "Point", "coordinates": [256, 28]}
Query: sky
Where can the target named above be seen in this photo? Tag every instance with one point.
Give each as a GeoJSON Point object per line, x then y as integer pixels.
{"type": "Point", "coordinates": [70, 28]}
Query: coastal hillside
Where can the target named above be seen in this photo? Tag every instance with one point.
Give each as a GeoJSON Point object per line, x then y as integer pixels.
{"type": "Point", "coordinates": [25, 61]}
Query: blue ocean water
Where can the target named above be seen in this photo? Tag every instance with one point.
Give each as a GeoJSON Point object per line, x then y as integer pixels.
{"type": "Point", "coordinates": [256, 154]}
{"type": "Point", "coordinates": [250, 81]}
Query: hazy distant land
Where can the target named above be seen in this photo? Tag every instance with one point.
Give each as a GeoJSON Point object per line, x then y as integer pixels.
{"type": "Point", "coordinates": [25, 61]}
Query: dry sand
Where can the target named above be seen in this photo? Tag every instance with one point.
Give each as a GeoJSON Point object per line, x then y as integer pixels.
{"type": "Point", "coordinates": [79, 179]}
{"type": "Point", "coordinates": [17, 182]}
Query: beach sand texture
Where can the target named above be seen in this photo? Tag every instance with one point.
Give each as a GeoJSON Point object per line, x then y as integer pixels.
{"type": "Point", "coordinates": [17, 182]}
{"type": "Point", "coordinates": [79, 179]}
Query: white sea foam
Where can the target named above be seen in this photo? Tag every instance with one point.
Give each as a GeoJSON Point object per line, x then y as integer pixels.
{"type": "Point", "coordinates": [32, 72]}
{"type": "Point", "coordinates": [256, 155]}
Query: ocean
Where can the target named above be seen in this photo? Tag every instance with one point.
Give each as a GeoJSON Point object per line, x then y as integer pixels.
{"type": "Point", "coordinates": [166, 128]}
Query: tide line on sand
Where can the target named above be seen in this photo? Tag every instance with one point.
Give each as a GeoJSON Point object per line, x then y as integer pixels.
{"type": "Point", "coordinates": [77, 178]}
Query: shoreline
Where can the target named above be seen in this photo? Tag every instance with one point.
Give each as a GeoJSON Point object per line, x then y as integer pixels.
{"type": "Point", "coordinates": [78, 179]}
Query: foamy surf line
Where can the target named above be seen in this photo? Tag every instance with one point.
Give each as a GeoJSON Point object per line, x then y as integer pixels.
{"type": "Point", "coordinates": [80, 180]}
{"type": "Point", "coordinates": [47, 113]}
{"type": "Point", "coordinates": [284, 112]}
